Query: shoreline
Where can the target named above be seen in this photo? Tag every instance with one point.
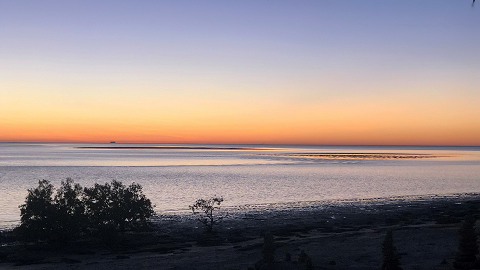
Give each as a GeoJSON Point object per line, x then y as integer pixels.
{"type": "Point", "coordinates": [348, 235]}
{"type": "Point", "coordinates": [263, 208]}
{"type": "Point", "coordinates": [331, 209]}
{"type": "Point", "coordinates": [273, 209]}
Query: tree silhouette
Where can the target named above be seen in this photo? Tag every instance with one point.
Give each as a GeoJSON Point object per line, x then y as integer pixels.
{"type": "Point", "coordinates": [117, 206]}
{"type": "Point", "coordinates": [36, 215]}
{"type": "Point", "coordinates": [268, 253]}
{"type": "Point", "coordinates": [69, 210]}
{"type": "Point", "coordinates": [467, 245]}
{"type": "Point", "coordinates": [206, 210]}
{"type": "Point", "coordinates": [268, 250]}
{"type": "Point", "coordinates": [390, 258]}
{"type": "Point", "coordinates": [74, 210]}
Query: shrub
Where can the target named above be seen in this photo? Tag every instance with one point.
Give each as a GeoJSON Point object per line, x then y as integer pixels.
{"type": "Point", "coordinates": [390, 258]}
{"type": "Point", "coordinates": [206, 210]}
{"type": "Point", "coordinates": [37, 215]}
{"type": "Point", "coordinates": [69, 210]}
{"type": "Point", "coordinates": [467, 245]}
{"type": "Point", "coordinates": [268, 253]}
{"type": "Point", "coordinates": [268, 249]}
{"type": "Point", "coordinates": [117, 206]}
{"type": "Point", "coordinates": [305, 261]}
{"type": "Point", "coordinates": [105, 209]}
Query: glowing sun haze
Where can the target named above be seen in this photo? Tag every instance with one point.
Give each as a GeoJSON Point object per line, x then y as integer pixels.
{"type": "Point", "coordinates": [298, 72]}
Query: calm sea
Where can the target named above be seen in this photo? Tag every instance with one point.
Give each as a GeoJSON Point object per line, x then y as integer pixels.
{"type": "Point", "coordinates": [174, 176]}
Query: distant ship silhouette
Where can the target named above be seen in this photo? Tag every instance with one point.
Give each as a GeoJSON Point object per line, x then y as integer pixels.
{"type": "Point", "coordinates": [112, 142]}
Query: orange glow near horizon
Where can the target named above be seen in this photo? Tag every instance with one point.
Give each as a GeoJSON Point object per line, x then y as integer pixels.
{"type": "Point", "coordinates": [388, 121]}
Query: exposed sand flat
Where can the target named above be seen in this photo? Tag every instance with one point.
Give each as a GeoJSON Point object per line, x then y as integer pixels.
{"type": "Point", "coordinates": [336, 237]}
{"type": "Point", "coordinates": [357, 155]}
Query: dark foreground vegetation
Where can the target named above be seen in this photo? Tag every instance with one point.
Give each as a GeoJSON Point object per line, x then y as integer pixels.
{"type": "Point", "coordinates": [112, 226]}
{"type": "Point", "coordinates": [75, 213]}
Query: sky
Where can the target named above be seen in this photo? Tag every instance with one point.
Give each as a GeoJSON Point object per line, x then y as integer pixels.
{"type": "Point", "coordinates": [276, 72]}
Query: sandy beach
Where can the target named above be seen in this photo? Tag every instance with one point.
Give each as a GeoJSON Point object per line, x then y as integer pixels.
{"type": "Point", "coordinates": [336, 235]}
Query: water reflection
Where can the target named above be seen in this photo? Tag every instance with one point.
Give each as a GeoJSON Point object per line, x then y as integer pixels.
{"type": "Point", "coordinates": [173, 179]}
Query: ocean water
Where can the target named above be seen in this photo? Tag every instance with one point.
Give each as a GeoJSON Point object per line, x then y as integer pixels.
{"type": "Point", "coordinates": [174, 176]}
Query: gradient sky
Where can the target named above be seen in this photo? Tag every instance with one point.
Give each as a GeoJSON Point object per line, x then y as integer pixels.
{"type": "Point", "coordinates": [304, 72]}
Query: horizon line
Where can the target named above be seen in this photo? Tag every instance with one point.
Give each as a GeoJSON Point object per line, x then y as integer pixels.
{"type": "Point", "coordinates": [190, 143]}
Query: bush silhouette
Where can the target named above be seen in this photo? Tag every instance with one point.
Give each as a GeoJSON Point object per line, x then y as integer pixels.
{"type": "Point", "coordinates": [268, 249]}
{"type": "Point", "coordinates": [117, 206]}
{"type": "Point", "coordinates": [268, 253]}
{"type": "Point", "coordinates": [390, 258]}
{"type": "Point", "coordinates": [206, 210]}
{"type": "Point", "coordinates": [37, 215]}
{"type": "Point", "coordinates": [69, 210]}
{"type": "Point", "coordinates": [74, 211]}
{"type": "Point", "coordinates": [305, 261]}
{"type": "Point", "coordinates": [467, 245]}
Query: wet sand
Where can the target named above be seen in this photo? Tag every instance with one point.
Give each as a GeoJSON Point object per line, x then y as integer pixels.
{"type": "Point", "coordinates": [357, 155]}
{"type": "Point", "coordinates": [339, 235]}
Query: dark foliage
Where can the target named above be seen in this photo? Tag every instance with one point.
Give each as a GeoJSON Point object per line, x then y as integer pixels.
{"type": "Point", "coordinates": [268, 249]}
{"type": "Point", "coordinates": [116, 206]}
{"type": "Point", "coordinates": [206, 210]}
{"type": "Point", "coordinates": [467, 245]}
{"type": "Point", "coordinates": [268, 253]}
{"type": "Point", "coordinates": [69, 210]}
{"type": "Point", "coordinates": [73, 211]}
{"type": "Point", "coordinates": [305, 261]}
{"type": "Point", "coordinates": [390, 258]}
{"type": "Point", "coordinates": [38, 215]}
